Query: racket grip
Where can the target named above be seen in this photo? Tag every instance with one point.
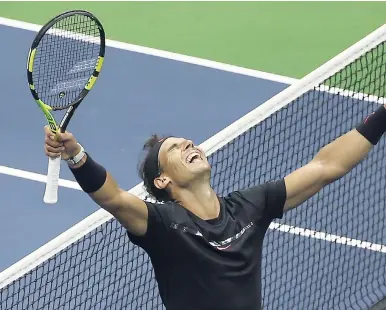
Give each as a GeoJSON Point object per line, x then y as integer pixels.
{"type": "Point", "coordinates": [51, 192]}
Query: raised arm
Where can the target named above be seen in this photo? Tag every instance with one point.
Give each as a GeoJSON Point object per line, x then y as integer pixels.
{"type": "Point", "coordinates": [128, 209]}
{"type": "Point", "coordinates": [335, 160]}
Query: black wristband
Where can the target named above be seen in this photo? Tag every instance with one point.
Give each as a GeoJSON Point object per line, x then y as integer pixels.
{"type": "Point", "coordinates": [90, 176]}
{"type": "Point", "coordinates": [374, 126]}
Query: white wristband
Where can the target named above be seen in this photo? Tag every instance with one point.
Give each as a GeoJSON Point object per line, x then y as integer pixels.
{"type": "Point", "coordinates": [78, 157]}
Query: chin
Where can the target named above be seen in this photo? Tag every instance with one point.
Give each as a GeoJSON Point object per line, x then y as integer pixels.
{"type": "Point", "coordinates": [202, 168]}
{"type": "Point", "coordinates": [200, 173]}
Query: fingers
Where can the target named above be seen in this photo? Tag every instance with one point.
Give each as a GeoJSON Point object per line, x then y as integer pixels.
{"type": "Point", "coordinates": [65, 136]}
{"type": "Point", "coordinates": [48, 132]}
{"type": "Point", "coordinates": [52, 148]}
{"type": "Point", "coordinates": [50, 140]}
{"type": "Point", "coordinates": [59, 143]}
{"type": "Point", "coordinates": [53, 151]}
{"type": "Point", "coordinates": [59, 136]}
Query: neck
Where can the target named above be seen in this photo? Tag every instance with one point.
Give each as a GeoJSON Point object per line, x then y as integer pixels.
{"type": "Point", "coordinates": [199, 199]}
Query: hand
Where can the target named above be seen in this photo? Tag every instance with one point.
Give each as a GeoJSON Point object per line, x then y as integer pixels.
{"type": "Point", "coordinates": [63, 144]}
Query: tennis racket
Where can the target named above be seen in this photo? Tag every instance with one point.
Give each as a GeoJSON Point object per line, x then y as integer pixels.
{"type": "Point", "coordinates": [63, 64]}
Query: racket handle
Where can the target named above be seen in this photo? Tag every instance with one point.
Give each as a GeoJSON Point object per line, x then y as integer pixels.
{"type": "Point", "coordinates": [51, 193]}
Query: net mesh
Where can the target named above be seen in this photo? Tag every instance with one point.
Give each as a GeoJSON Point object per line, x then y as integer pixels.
{"type": "Point", "coordinates": [103, 270]}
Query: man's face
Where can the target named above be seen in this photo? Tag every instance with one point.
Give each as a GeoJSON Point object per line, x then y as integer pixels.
{"type": "Point", "coordinates": [182, 161]}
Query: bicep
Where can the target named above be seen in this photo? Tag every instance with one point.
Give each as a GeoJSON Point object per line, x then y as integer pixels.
{"type": "Point", "coordinates": [303, 183]}
{"type": "Point", "coordinates": [130, 211]}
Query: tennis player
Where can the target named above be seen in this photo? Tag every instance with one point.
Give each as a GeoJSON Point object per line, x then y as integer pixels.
{"type": "Point", "coordinates": [206, 250]}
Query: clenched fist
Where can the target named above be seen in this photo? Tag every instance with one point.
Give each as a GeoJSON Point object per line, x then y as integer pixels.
{"type": "Point", "coordinates": [63, 144]}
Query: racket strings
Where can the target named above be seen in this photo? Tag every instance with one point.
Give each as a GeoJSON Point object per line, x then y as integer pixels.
{"type": "Point", "coordinates": [65, 59]}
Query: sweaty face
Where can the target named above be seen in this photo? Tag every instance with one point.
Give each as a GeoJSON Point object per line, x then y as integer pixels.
{"type": "Point", "coordinates": [182, 161]}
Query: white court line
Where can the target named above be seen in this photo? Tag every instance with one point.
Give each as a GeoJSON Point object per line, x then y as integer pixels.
{"type": "Point", "coordinates": [137, 190]}
{"type": "Point", "coordinates": [309, 233]}
{"type": "Point", "coordinates": [284, 98]}
{"type": "Point", "coordinates": [36, 177]}
{"type": "Point", "coordinates": [173, 56]}
{"type": "Point", "coordinates": [148, 51]}
{"type": "Point", "coordinates": [168, 55]}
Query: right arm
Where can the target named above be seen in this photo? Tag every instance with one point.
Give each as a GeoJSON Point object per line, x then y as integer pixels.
{"type": "Point", "coordinates": [128, 209]}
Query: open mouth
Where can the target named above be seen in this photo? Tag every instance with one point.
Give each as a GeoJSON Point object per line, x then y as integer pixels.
{"type": "Point", "coordinates": [193, 157]}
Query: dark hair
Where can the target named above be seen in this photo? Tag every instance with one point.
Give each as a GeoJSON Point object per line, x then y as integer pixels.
{"type": "Point", "coordinates": [161, 195]}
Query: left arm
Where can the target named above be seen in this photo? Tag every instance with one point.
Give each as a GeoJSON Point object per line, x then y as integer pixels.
{"type": "Point", "coordinates": [332, 162]}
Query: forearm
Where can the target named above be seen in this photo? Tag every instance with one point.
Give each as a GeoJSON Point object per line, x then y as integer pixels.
{"type": "Point", "coordinates": [96, 182]}
{"type": "Point", "coordinates": [108, 195]}
{"type": "Point", "coordinates": [343, 154]}
{"type": "Point", "coordinates": [128, 209]}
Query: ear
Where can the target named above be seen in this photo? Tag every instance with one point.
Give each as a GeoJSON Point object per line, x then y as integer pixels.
{"type": "Point", "coordinates": [161, 182]}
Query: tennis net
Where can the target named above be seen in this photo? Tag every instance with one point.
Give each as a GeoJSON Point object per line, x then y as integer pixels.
{"type": "Point", "coordinates": [329, 253]}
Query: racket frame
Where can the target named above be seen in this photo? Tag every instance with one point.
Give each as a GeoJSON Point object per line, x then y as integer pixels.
{"type": "Point", "coordinates": [50, 195]}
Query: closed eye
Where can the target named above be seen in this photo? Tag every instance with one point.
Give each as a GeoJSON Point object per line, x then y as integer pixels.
{"type": "Point", "coordinates": [173, 146]}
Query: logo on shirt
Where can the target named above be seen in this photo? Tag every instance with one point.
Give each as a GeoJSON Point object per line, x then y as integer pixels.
{"type": "Point", "coordinates": [225, 244]}
{"type": "Point", "coordinates": [219, 245]}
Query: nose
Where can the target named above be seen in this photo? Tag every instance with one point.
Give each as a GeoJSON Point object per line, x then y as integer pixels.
{"type": "Point", "coordinates": [188, 144]}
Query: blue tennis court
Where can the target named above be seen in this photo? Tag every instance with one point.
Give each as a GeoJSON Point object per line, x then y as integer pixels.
{"type": "Point", "coordinates": [138, 95]}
